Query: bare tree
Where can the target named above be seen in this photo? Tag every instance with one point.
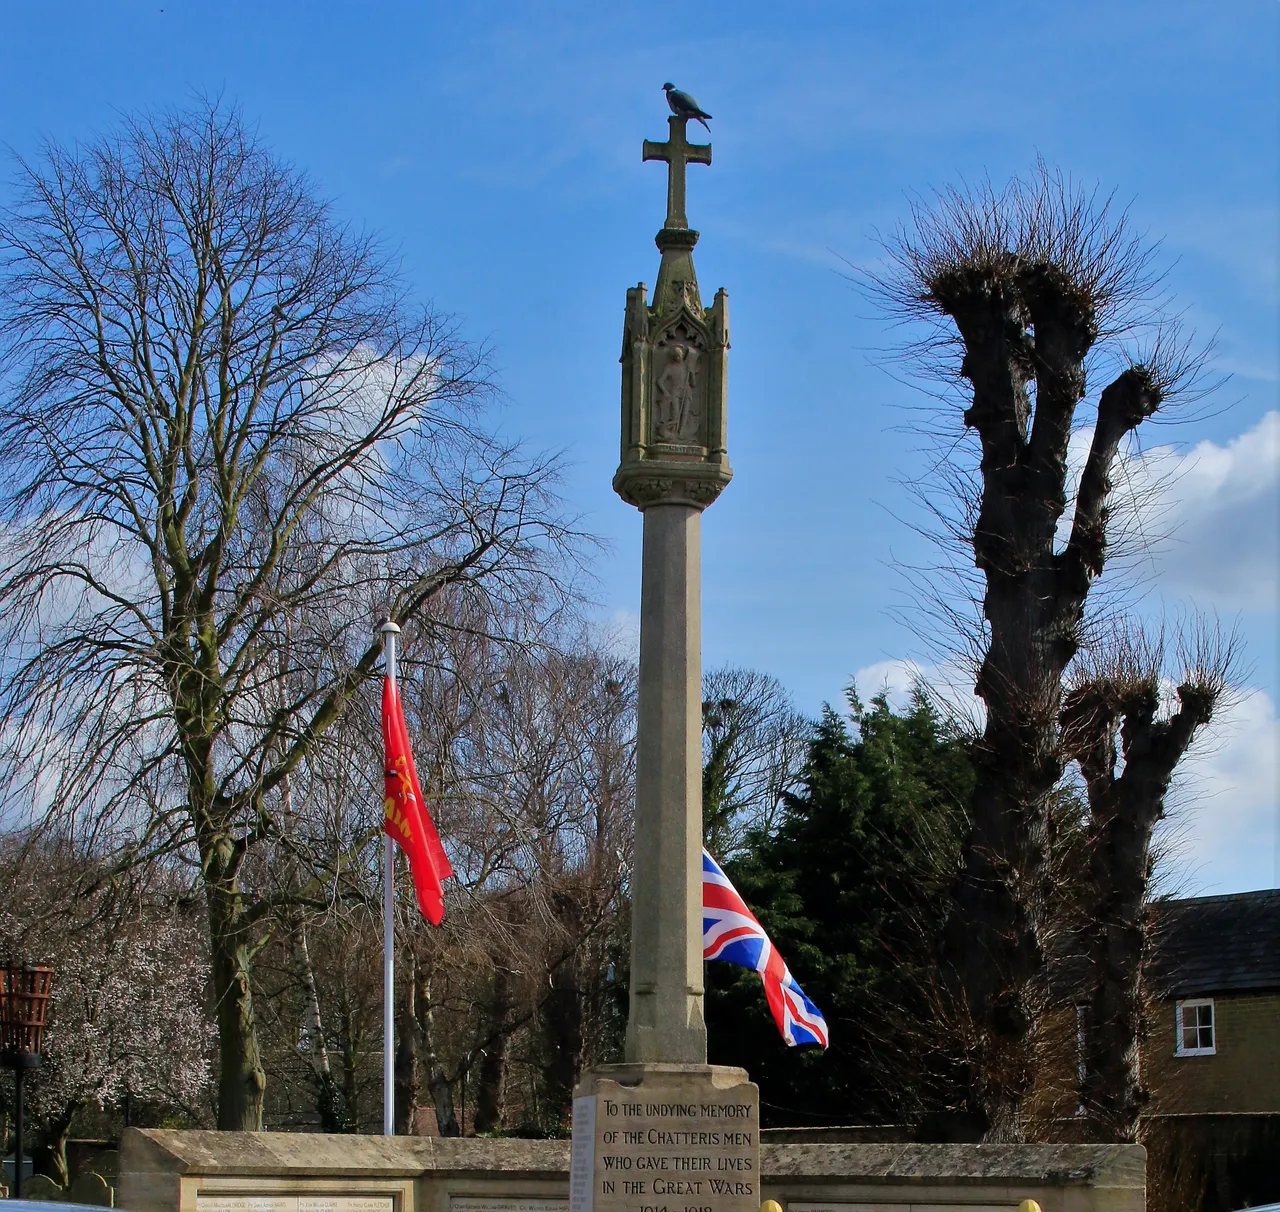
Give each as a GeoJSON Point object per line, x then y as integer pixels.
{"type": "Point", "coordinates": [525, 753]}
{"type": "Point", "coordinates": [532, 761]}
{"type": "Point", "coordinates": [1021, 288]}
{"type": "Point", "coordinates": [1116, 726]}
{"type": "Point", "coordinates": [754, 747]}
{"type": "Point", "coordinates": [228, 442]}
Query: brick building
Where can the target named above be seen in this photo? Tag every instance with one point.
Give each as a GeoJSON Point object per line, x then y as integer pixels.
{"type": "Point", "coordinates": [1215, 1045]}
{"type": "Point", "coordinates": [1211, 1059]}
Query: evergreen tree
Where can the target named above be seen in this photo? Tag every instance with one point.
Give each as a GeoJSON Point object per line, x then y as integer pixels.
{"type": "Point", "coordinates": [853, 887]}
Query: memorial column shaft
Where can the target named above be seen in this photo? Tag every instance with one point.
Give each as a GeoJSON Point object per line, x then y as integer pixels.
{"type": "Point", "coordinates": [664, 1131]}
{"type": "Point", "coordinates": [666, 1021]}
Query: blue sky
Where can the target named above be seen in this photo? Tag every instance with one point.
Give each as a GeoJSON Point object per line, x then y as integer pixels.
{"type": "Point", "coordinates": [497, 146]}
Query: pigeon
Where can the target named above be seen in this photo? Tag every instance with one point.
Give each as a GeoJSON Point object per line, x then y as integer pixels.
{"type": "Point", "coordinates": [684, 106]}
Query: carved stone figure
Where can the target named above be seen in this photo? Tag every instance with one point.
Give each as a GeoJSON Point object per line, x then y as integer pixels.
{"type": "Point", "coordinates": [676, 416]}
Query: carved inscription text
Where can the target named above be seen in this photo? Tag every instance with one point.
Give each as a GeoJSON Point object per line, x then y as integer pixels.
{"type": "Point", "coordinates": [677, 1150]}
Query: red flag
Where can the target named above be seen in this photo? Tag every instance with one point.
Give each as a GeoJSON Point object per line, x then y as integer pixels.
{"type": "Point", "coordinates": [408, 821]}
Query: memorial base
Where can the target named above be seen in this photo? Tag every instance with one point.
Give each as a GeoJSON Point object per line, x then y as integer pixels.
{"type": "Point", "coordinates": [665, 1138]}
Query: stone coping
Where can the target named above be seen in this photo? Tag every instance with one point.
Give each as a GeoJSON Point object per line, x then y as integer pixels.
{"type": "Point", "coordinates": [198, 1152]}
{"type": "Point", "coordinates": [313, 1154]}
{"type": "Point", "coordinates": [1058, 1165]}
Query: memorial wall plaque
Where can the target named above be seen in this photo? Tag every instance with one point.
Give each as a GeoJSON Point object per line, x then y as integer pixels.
{"type": "Point", "coordinates": [676, 1143]}
{"type": "Point", "coordinates": [246, 1203]}
{"type": "Point", "coordinates": [308, 1202]}
{"type": "Point", "coordinates": [516, 1203]}
{"type": "Point", "coordinates": [582, 1155]}
{"type": "Point", "coordinates": [916, 1205]}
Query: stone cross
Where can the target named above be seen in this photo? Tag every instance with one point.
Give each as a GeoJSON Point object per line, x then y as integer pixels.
{"type": "Point", "coordinates": [677, 151]}
{"type": "Point", "coordinates": [664, 1131]}
{"type": "Point", "coordinates": [671, 475]}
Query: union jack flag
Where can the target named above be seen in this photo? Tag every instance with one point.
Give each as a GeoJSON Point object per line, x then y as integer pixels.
{"type": "Point", "coordinates": [731, 933]}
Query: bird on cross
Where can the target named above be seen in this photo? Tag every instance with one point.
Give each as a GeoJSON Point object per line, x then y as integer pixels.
{"type": "Point", "coordinates": [684, 106]}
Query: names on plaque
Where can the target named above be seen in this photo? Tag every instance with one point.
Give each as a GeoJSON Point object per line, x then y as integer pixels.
{"type": "Point", "coordinates": [309, 1202]}
{"type": "Point", "coordinates": [517, 1203]}
{"type": "Point", "coordinates": [676, 1147]}
{"type": "Point", "coordinates": [582, 1155]}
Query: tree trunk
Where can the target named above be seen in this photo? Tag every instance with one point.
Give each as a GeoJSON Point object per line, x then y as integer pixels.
{"type": "Point", "coordinates": [1124, 812]}
{"type": "Point", "coordinates": [197, 692]}
{"type": "Point", "coordinates": [408, 1085]}
{"type": "Point", "coordinates": [438, 1085]}
{"type": "Point", "coordinates": [350, 1060]}
{"type": "Point", "coordinates": [330, 1105]}
{"type": "Point", "coordinates": [493, 1062]}
{"type": "Point", "coordinates": [562, 1033]}
{"type": "Point", "coordinates": [54, 1147]}
{"type": "Point", "coordinates": [993, 940]}
{"type": "Point", "coordinates": [241, 1079]}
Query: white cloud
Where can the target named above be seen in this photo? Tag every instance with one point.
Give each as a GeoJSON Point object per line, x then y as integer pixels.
{"type": "Point", "coordinates": [1207, 518]}
{"type": "Point", "coordinates": [1224, 506]}
{"type": "Point", "coordinates": [1213, 514]}
{"type": "Point", "coordinates": [619, 632]}
{"type": "Point", "coordinates": [951, 684]}
{"type": "Point", "coordinates": [1220, 508]}
{"type": "Point", "coordinates": [1225, 806]}
{"type": "Point", "coordinates": [894, 678]}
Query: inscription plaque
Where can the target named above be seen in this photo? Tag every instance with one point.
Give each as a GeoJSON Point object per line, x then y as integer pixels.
{"type": "Point", "coordinates": [582, 1155]}
{"type": "Point", "coordinates": [246, 1203]}
{"type": "Point", "coordinates": [309, 1202]}
{"type": "Point", "coordinates": [484, 1203]}
{"type": "Point", "coordinates": [914, 1206]}
{"type": "Point", "coordinates": [677, 1143]}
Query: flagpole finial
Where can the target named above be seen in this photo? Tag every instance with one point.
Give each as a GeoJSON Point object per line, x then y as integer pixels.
{"type": "Point", "coordinates": [387, 627]}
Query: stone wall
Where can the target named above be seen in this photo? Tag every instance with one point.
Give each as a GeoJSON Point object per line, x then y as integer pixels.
{"type": "Point", "coordinates": [169, 1171]}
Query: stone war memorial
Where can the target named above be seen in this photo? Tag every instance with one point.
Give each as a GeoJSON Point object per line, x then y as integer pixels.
{"type": "Point", "coordinates": [661, 1131]}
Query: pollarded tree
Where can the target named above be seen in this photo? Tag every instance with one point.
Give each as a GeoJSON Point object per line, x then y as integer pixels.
{"type": "Point", "coordinates": [228, 442]}
{"type": "Point", "coordinates": [1022, 287]}
{"type": "Point", "coordinates": [1128, 742]}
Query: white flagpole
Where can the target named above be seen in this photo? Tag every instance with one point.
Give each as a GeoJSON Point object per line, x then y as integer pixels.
{"type": "Point", "coordinates": [389, 632]}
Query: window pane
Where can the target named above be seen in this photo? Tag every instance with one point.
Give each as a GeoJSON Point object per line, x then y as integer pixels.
{"type": "Point", "coordinates": [1195, 1027]}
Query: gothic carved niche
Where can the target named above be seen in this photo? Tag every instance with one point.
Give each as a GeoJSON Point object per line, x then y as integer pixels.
{"type": "Point", "coordinates": [673, 362]}
{"type": "Point", "coordinates": [677, 417]}
{"type": "Point", "coordinates": [678, 387]}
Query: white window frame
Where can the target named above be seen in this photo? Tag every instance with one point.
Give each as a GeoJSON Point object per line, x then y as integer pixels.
{"type": "Point", "coordinates": [1192, 1003]}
